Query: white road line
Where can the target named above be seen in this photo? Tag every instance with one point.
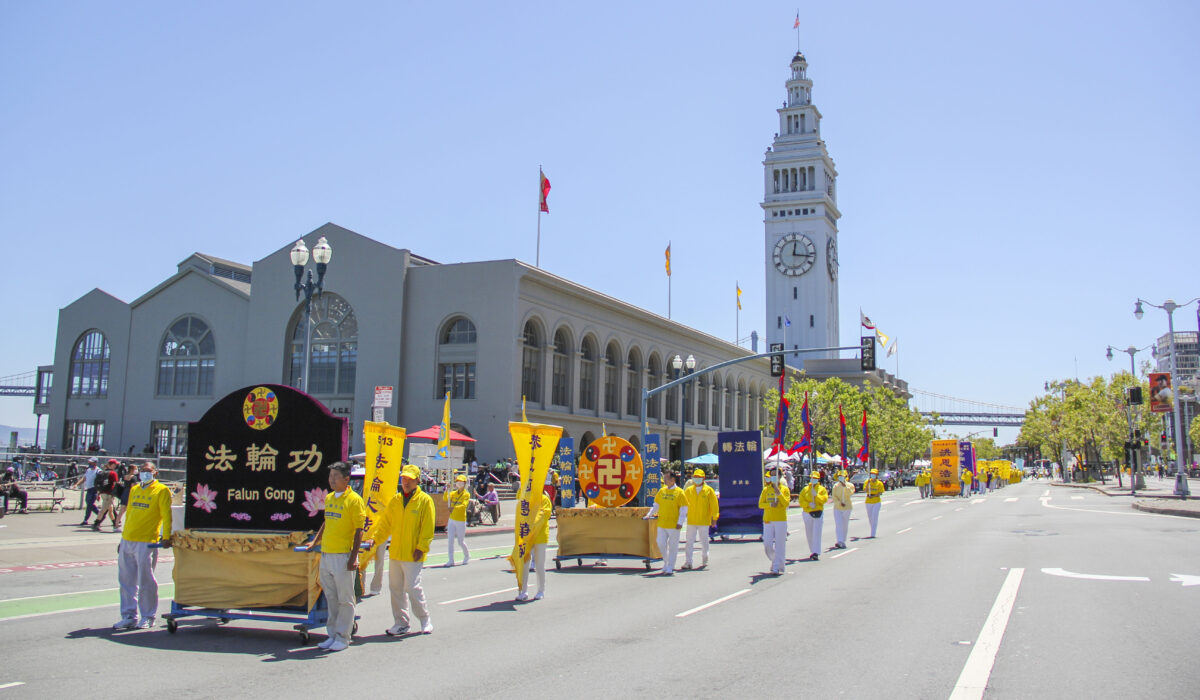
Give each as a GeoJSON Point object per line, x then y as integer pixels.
{"type": "Point", "coordinates": [718, 601]}
{"type": "Point", "coordinates": [1092, 577]}
{"type": "Point", "coordinates": [1076, 498]}
{"type": "Point", "coordinates": [904, 531]}
{"type": "Point", "coordinates": [57, 595]}
{"type": "Point", "coordinates": [842, 554]}
{"type": "Point", "coordinates": [957, 509]}
{"type": "Point", "coordinates": [1135, 513]}
{"type": "Point", "coordinates": [919, 500]}
{"type": "Point", "coordinates": [977, 501]}
{"type": "Point", "coordinates": [884, 503]}
{"type": "Point", "coordinates": [937, 517]}
{"type": "Point", "coordinates": [1010, 500]}
{"type": "Point", "coordinates": [481, 595]}
{"type": "Point", "coordinates": [972, 682]}
{"type": "Point", "coordinates": [11, 685]}
{"type": "Point", "coordinates": [1046, 494]}
{"type": "Point", "coordinates": [59, 612]}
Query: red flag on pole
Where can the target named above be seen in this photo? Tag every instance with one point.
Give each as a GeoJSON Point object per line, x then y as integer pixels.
{"type": "Point", "coordinates": [797, 24]}
{"type": "Point", "coordinates": [543, 192]}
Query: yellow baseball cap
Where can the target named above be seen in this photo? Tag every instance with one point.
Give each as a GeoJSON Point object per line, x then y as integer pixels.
{"type": "Point", "coordinates": [460, 477]}
{"type": "Point", "coordinates": [699, 473]}
{"type": "Point", "coordinates": [411, 471]}
{"type": "Point", "coordinates": [874, 471]}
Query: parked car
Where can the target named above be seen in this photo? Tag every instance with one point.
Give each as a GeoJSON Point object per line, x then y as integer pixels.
{"type": "Point", "coordinates": [890, 479]}
{"type": "Point", "coordinates": [909, 477]}
{"type": "Point", "coordinates": [859, 478]}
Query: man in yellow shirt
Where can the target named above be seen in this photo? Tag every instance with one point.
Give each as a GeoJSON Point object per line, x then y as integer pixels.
{"type": "Point", "coordinates": [408, 520]}
{"type": "Point", "coordinates": [339, 537]}
{"type": "Point", "coordinates": [671, 508]}
{"type": "Point", "coordinates": [923, 483]}
{"type": "Point", "coordinates": [967, 477]}
{"type": "Point", "coordinates": [874, 489]}
{"type": "Point", "coordinates": [774, 502]}
{"type": "Point", "coordinates": [812, 501]}
{"type": "Point", "coordinates": [456, 527]}
{"type": "Point", "coordinates": [702, 513]}
{"type": "Point", "coordinates": [148, 522]}
{"type": "Point", "coordinates": [842, 491]}
{"type": "Point", "coordinates": [541, 538]}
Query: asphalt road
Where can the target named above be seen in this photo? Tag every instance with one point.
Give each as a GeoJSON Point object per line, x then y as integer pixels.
{"type": "Point", "coordinates": [902, 615]}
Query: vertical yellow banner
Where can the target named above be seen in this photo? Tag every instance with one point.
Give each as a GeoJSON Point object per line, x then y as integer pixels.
{"type": "Point", "coordinates": [944, 455]}
{"type": "Point", "coordinates": [534, 446]}
{"type": "Point", "coordinates": [385, 450]}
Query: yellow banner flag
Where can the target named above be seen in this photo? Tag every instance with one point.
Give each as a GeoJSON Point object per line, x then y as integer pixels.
{"type": "Point", "coordinates": [944, 454]}
{"type": "Point", "coordinates": [443, 450]}
{"type": "Point", "coordinates": [534, 446]}
{"type": "Point", "coordinates": [385, 450]}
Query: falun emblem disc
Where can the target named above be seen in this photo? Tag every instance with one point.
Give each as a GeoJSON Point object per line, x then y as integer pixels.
{"type": "Point", "coordinates": [260, 408]}
{"type": "Point", "coordinates": [610, 472]}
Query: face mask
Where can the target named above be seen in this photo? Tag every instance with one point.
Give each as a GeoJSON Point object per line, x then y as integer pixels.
{"type": "Point", "coordinates": [146, 477]}
{"type": "Point", "coordinates": [460, 486]}
{"type": "Point", "coordinates": [842, 479]}
{"type": "Point", "coordinates": [774, 480]}
{"type": "Point", "coordinates": [698, 481]}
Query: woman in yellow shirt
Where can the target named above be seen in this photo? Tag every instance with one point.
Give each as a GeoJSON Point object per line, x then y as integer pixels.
{"type": "Point", "coordinates": [774, 502]}
{"type": "Point", "coordinates": [457, 499]}
{"type": "Point", "coordinates": [874, 489]}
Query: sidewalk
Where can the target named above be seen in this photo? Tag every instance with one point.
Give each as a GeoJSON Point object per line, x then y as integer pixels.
{"type": "Point", "coordinates": [1157, 497]}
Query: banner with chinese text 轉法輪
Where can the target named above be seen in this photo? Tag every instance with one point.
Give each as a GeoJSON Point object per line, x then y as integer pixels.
{"type": "Point", "coordinates": [943, 455]}
{"type": "Point", "coordinates": [534, 446]}
{"type": "Point", "coordinates": [740, 477]}
{"type": "Point", "coordinates": [258, 459]}
{"type": "Point", "coordinates": [564, 462]}
{"type": "Point", "coordinates": [385, 451]}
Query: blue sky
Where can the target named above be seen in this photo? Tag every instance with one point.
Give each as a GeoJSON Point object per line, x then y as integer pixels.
{"type": "Point", "coordinates": [1011, 176]}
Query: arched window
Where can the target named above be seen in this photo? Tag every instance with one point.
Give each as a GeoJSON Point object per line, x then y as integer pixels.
{"type": "Point", "coordinates": [89, 365]}
{"type": "Point", "coordinates": [560, 388]}
{"type": "Point", "coordinates": [633, 383]}
{"type": "Point", "coordinates": [701, 389]}
{"type": "Point", "coordinates": [653, 381]}
{"type": "Point", "coordinates": [531, 363]}
{"type": "Point", "coordinates": [187, 359]}
{"type": "Point", "coordinates": [334, 358]}
{"type": "Point", "coordinates": [612, 360]}
{"type": "Point", "coordinates": [456, 359]}
{"type": "Point", "coordinates": [587, 374]}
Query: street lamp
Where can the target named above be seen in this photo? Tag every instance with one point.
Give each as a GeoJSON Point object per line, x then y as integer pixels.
{"type": "Point", "coordinates": [1181, 475]}
{"type": "Point", "coordinates": [689, 366]}
{"type": "Point", "coordinates": [1132, 455]}
{"type": "Point", "coordinates": [322, 253]}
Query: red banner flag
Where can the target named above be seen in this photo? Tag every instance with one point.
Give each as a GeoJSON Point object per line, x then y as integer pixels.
{"type": "Point", "coordinates": [543, 192]}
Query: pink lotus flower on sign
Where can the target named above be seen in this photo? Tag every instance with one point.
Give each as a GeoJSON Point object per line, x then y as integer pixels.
{"type": "Point", "coordinates": [280, 517]}
{"type": "Point", "coordinates": [314, 501]}
{"type": "Point", "coordinates": [241, 516]}
{"type": "Point", "coordinates": [206, 498]}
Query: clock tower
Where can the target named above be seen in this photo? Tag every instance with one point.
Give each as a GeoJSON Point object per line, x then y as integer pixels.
{"type": "Point", "coordinates": [800, 215]}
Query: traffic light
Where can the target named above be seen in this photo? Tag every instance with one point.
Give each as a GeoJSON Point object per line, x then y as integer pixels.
{"type": "Point", "coordinates": [1134, 396]}
{"type": "Point", "coordinates": [867, 360]}
{"type": "Point", "coordinates": [777, 360]}
{"type": "Point", "coordinates": [995, 432]}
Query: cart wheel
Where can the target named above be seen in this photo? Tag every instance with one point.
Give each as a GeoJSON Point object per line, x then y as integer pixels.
{"type": "Point", "coordinates": [723, 538]}
{"type": "Point", "coordinates": [647, 565]}
{"type": "Point", "coordinates": [557, 565]}
{"type": "Point", "coordinates": [172, 625]}
{"type": "Point", "coordinates": [304, 637]}
{"type": "Point", "coordinates": [579, 562]}
{"type": "Point", "coordinates": [354, 630]}
{"type": "Point", "coordinates": [222, 620]}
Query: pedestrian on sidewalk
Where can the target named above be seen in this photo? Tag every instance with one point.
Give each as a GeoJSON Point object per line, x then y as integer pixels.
{"type": "Point", "coordinates": [126, 483]}
{"type": "Point", "coordinates": [340, 536]}
{"type": "Point", "coordinates": [874, 490]}
{"type": "Point", "coordinates": [702, 513]}
{"type": "Point", "coordinates": [88, 482]}
{"type": "Point", "coordinates": [491, 501]}
{"type": "Point", "coordinates": [774, 501]}
{"type": "Point", "coordinates": [842, 491]}
{"type": "Point", "coordinates": [106, 486]}
{"type": "Point", "coordinates": [670, 507]}
{"type": "Point", "coordinates": [456, 527]}
{"type": "Point", "coordinates": [12, 490]}
{"type": "Point", "coordinates": [149, 522]}
{"type": "Point", "coordinates": [537, 557]}
{"type": "Point", "coordinates": [408, 520]}
{"type": "Point", "coordinates": [812, 501]}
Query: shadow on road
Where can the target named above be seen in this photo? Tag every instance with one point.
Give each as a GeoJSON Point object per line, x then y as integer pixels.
{"type": "Point", "coordinates": [208, 636]}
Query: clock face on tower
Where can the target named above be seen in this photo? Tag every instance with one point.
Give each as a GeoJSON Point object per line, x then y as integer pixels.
{"type": "Point", "coordinates": [794, 254]}
{"type": "Point", "coordinates": [831, 260]}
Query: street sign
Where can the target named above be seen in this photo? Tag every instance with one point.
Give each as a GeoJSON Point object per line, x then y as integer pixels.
{"type": "Point", "coordinates": [777, 360]}
{"type": "Point", "coordinates": [377, 414]}
{"type": "Point", "coordinates": [867, 363]}
{"type": "Point", "coordinates": [383, 397]}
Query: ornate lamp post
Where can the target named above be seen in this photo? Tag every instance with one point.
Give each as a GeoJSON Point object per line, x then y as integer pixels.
{"type": "Point", "coordinates": [322, 253]}
{"type": "Point", "coordinates": [689, 366]}
{"type": "Point", "coordinates": [1181, 475]}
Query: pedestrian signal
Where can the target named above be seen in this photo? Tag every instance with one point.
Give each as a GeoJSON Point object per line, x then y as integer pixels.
{"type": "Point", "coordinates": [777, 360]}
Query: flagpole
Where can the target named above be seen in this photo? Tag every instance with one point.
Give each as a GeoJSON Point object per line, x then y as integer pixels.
{"type": "Point", "coordinates": [668, 280]}
{"type": "Point", "coordinates": [737, 317]}
{"type": "Point", "coordinates": [538, 255]}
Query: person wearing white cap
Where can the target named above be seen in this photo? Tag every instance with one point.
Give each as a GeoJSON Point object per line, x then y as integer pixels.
{"type": "Point", "coordinates": [812, 501]}
{"type": "Point", "coordinates": [874, 489]}
{"type": "Point", "coordinates": [88, 482]}
{"type": "Point", "coordinates": [774, 502]}
{"type": "Point", "coordinates": [842, 491]}
{"type": "Point", "coordinates": [457, 499]}
{"type": "Point", "coordinates": [671, 509]}
{"type": "Point", "coordinates": [702, 513]}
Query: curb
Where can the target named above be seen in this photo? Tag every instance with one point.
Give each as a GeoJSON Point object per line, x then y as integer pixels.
{"type": "Point", "coordinates": [1151, 507]}
{"type": "Point", "coordinates": [1100, 489]}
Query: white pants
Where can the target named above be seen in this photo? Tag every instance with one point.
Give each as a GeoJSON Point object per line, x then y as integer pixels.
{"type": "Point", "coordinates": [873, 516]}
{"type": "Point", "coordinates": [456, 531]}
{"type": "Point", "coordinates": [841, 524]}
{"type": "Point", "coordinates": [694, 531]}
{"type": "Point", "coordinates": [668, 545]}
{"type": "Point", "coordinates": [338, 585]}
{"type": "Point", "coordinates": [404, 585]}
{"type": "Point", "coordinates": [812, 530]}
{"type": "Point", "coordinates": [135, 574]}
{"type": "Point", "coordinates": [538, 558]}
{"type": "Point", "coordinates": [775, 543]}
{"type": "Point", "coordinates": [377, 576]}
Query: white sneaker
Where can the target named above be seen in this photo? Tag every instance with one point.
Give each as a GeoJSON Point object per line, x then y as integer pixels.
{"type": "Point", "coordinates": [450, 562]}
{"type": "Point", "coordinates": [145, 623]}
{"type": "Point", "coordinates": [126, 623]}
{"type": "Point", "coordinates": [704, 563]}
{"type": "Point", "coordinates": [540, 595]}
{"type": "Point", "coordinates": [466, 560]}
{"type": "Point", "coordinates": [427, 627]}
{"type": "Point", "coordinates": [325, 644]}
{"type": "Point", "coordinates": [396, 630]}
{"type": "Point", "coordinates": [522, 596]}
{"type": "Point", "coordinates": [337, 645]}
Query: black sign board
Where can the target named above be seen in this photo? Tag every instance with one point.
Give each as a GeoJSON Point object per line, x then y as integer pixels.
{"type": "Point", "coordinates": [777, 360]}
{"type": "Point", "coordinates": [259, 458]}
{"type": "Point", "coordinates": [868, 353]}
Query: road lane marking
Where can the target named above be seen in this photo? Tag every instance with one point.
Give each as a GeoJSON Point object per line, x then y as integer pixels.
{"type": "Point", "coordinates": [56, 595]}
{"type": "Point", "coordinates": [11, 685]}
{"type": "Point", "coordinates": [904, 531]}
{"type": "Point", "coordinates": [1046, 494]}
{"type": "Point", "coordinates": [1056, 571]}
{"type": "Point", "coordinates": [958, 509]}
{"type": "Point", "coordinates": [1076, 498]}
{"type": "Point", "coordinates": [972, 682]}
{"type": "Point", "coordinates": [481, 595]}
{"type": "Point", "coordinates": [1185, 579]}
{"type": "Point", "coordinates": [919, 500]}
{"type": "Point", "coordinates": [1010, 500]}
{"type": "Point", "coordinates": [1111, 512]}
{"type": "Point", "coordinates": [937, 517]}
{"type": "Point", "coordinates": [842, 554]}
{"type": "Point", "coordinates": [884, 503]}
{"type": "Point", "coordinates": [718, 601]}
{"type": "Point", "coordinates": [977, 501]}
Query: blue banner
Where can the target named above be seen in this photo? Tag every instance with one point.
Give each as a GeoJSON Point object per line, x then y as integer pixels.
{"type": "Point", "coordinates": [966, 456]}
{"type": "Point", "coordinates": [739, 456]}
{"type": "Point", "coordinates": [564, 462]}
{"type": "Point", "coordinates": [651, 468]}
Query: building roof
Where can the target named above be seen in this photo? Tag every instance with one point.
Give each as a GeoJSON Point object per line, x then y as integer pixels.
{"type": "Point", "coordinates": [222, 261]}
